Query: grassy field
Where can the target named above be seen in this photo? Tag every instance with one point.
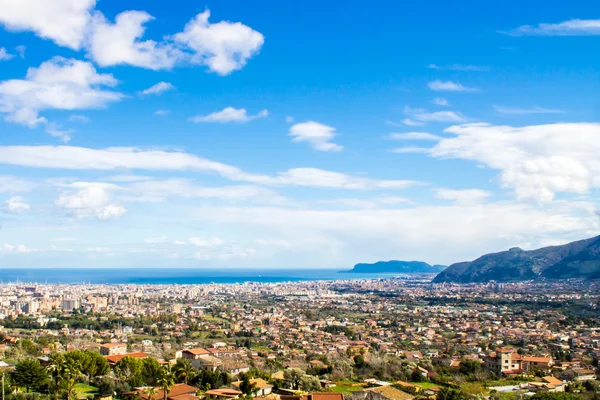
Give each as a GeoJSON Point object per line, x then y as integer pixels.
{"type": "Point", "coordinates": [425, 385]}
{"type": "Point", "coordinates": [82, 391]}
{"type": "Point", "coordinates": [346, 388]}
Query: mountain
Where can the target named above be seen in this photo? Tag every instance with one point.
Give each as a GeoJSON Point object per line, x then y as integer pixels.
{"type": "Point", "coordinates": [401, 267]}
{"type": "Point", "coordinates": [579, 259]}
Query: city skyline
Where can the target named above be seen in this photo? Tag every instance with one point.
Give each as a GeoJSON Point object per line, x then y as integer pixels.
{"type": "Point", "coordinates": [235, 135]}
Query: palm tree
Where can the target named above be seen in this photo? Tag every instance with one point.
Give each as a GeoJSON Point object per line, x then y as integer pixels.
{"type": "Point", "coordinates": [166, 381]}
{"type": "Point", "coordinates": [150, 391]}
{"type": "Point", "coordinates": [184, 371]}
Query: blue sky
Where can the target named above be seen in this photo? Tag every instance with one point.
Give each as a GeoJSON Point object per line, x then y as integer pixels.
{"type": "Point", "coordinates": [294, 135]}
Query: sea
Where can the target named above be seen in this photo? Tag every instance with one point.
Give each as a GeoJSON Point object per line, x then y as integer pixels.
{"type": "Point", "coordinates": [173, 276]}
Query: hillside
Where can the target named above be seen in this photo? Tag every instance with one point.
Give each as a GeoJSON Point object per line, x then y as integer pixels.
{"type": "Point", "coordinates": [401, 267]}
{"type": "Point", "coordinates": [580, 259]}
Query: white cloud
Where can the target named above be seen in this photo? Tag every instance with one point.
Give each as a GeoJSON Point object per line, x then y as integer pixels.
{"type": "Point", "coordinates": [156, 240]}
{"type": "Point", "coordinates": [21, 51]}
{"type": "Point", "coordinates": [289, 119]}
{"type": "Point", "coordinates": [12, 184]}
{"type": "Point", "coordinates": [573, 27]}
{"type": "Point", "coordinates": [459, 67]}
{"type": "Point", "coordinates": [449, 86]}
{"type": "Point", "coordinates": [440, 101]}
{"type": "Point", "coordinates": [317, 135]}
{"type": "Point", "coordinates": [57, 131]}
{"type": "Point", "coordinates": [423, 116]}
{"type": "Point", "coordinates": [15, 205]}
{"type": "Point", "coordinates": [158, 88]}
{"type": "Point", "coordinates": [525, 111]}
{"type": "Point", "coordinates": [118, 43]}
{"type": "Point", "coordinates": [409, 232]}
{"type": "Point", "coordinates": [206, 242]}
{"type": "Point", "coordinates": [5, 55]}
{"type": "Point", "coordinates": [19, 248]}
{"type": "Point", "coordinates": [537, 161]}
{"type": "Point", "coordinates": [79, 118]}
{"type": "Point", "coordinates": [162, 113]}
{"type": "Point", "coordinates": [414, 136]}
{"type": "Point", "coordinates": [118, 158]}
{"type": "Point", "coordinates": [60, 84]}
{"type": "Point", "coordinates": [411, 150]}
{"type": "Point", "coordinates": [91, 201]}
{"type": "Point", "coordinates": [62, 21]}
{"type": "Point", "coordinates": [223, 46]}
{"type": "Point", "coordinates": [313, 177]}
{"type": "Point", "coordinates": [229, 114]}
{"type": "Point", "coordinates": [464, 196]}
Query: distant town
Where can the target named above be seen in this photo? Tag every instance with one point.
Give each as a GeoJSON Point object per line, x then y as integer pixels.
{"type": "Point", "coordinates": [376, 339]}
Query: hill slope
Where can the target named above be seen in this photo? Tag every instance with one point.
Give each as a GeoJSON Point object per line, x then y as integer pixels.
{"type": "Point", "coordinates": [579, 259]}
{"type": "Point", "coordinates": [401, 267]}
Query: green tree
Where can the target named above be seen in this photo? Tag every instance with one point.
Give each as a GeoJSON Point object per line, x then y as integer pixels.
{"type": "Point", "coordinates": [166, 381]}
{"type": "Point", "coordinates": [247, 387]}
{"type": "Point", "coordinates": [29, 374]}
{"type": "Point", "coordinates": [184, 371]}
{"type": "Point", "coordinates": [447, 393]}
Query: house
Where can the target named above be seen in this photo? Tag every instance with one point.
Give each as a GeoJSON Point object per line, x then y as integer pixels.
{"type": "Point", "coordinates": [507, 361]}
{"type": "Point", "coordinates": [381, 393]}
{"type": "Point", "coordinates": [222, 394]}
{"type": "Point", "coordinates": [314, 396]}
{"type": "Point", "coordinates": [263, 388]}
{"type": "Point", "coordinates": [112, 360]}
{"type": "Point", "coordinates": [178, 392]}
{"type": "Point", "coordinates": [584, 374]}
{"type": "Point", "coordinates": [194, 354]}
{"type": "Point", "coordinates": [111, 349]}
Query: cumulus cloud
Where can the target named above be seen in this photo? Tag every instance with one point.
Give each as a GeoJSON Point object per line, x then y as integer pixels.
{"type": "Point", "coordinates": [158, 88]}
{"type": "Point", "coordinates": [62, 21]}
{"type": "Point", "coordinates": [317, 135]}
{"type": "Point", "coordinates": [229, 114]}
{"type": "Point", "coordinates": [91, 201]}
{"type": "Point", "coordinates": [60, 84]}
{"type": "Point", "coordinates": [223, 46]}
{"type": "Point", "coordinates": [15, 205]}
{"type": "Point", "coordinates": [449, 86]}
{"type": "Point", "coordinates": [118, 43]}
{"type": "Point", "coordinates": [573, 27]}
{"type": "Point", "coordinates": [537, 161]}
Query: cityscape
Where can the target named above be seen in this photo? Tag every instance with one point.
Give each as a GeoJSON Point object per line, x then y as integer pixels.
{"type": "Point", "coordinates": [299, 200]}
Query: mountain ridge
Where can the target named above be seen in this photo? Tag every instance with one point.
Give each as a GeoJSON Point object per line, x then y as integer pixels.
{"type": "Point", "coordinates": [579, 259]}
{"type": "Point", "coordinates": [396, 266]}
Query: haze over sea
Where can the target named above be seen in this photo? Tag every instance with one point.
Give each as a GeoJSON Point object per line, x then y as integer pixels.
{"type": "Point", "coordinates": [181, 276]}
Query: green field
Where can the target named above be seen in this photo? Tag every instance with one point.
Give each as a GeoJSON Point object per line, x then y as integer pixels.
{"type": "Point", "coordinates": [82, 391]}
{"type": "Point", "coordinates": [425, 385]}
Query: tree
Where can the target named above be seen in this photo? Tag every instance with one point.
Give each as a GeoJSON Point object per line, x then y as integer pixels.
{"type": "Point", "coordinates": [469, 367]}
{"type": "Point", "coordinates": [292, 378]}
{"type": "Point", "coordinates": [166, 381]}
{"type": "Point", "coordinates": [184, 371]}
{"type": "Point", "coordinates": [29, 374]}
{"type": "Point", "coordinates": [150, 391]}
{"type": "Point", "coordinates": [447, 393]}
{"type": "Point", "coordinates": [310, 383]}
{"type": "Point", "coordinates": [247, 387]}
